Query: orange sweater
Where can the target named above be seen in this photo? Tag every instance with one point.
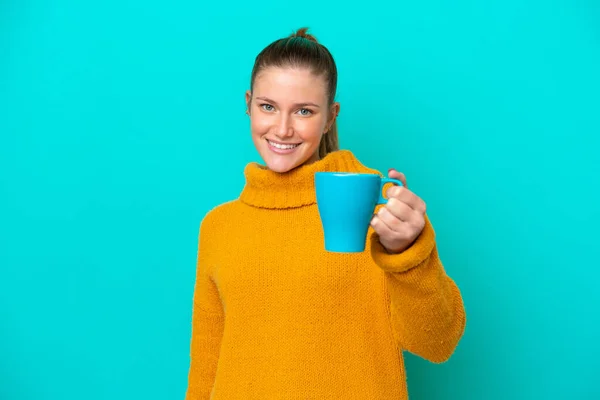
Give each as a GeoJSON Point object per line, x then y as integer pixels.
{"type": "Point", "coordinates": [275, 316]}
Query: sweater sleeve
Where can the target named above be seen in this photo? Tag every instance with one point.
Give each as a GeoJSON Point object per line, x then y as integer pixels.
{"type": "Point", "coordinates": [427, 310]}
{"type": "Point", "coordinates": [207, 327]}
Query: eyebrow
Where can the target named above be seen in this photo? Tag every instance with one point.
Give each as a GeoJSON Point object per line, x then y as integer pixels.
{"type": "Point", "coordinates": [296, 105]}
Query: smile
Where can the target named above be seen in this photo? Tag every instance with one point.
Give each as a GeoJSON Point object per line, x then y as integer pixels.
{"type": "Point", "coordinates": [283, 146]}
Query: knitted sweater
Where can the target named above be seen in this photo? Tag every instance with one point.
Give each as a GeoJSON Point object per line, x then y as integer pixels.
{"type": "Point", "coordinates": [275, 316]}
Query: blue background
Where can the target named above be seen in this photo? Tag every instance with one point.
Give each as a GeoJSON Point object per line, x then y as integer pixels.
{"type": "Point", "coordinates": [122, 123]}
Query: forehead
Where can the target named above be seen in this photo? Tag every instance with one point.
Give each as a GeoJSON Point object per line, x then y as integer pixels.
{"type": "Point", "coordinates": [294, 84]}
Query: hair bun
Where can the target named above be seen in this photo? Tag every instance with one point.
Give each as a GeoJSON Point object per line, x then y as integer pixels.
{"type": "Point", "coordinates": [302, 33]}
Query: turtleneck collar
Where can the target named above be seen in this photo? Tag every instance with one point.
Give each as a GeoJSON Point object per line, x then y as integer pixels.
{"type": "Point", "coordinates": [268, 189]}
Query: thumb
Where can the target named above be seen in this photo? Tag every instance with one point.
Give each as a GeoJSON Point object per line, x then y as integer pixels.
{"type": "Point", "coordinates": [392, 173]}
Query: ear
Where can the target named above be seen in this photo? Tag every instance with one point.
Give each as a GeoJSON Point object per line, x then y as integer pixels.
{"type": "Point", "coordinates": [334, 110]}
{"type": "Point", "coordinates": [248, 101]}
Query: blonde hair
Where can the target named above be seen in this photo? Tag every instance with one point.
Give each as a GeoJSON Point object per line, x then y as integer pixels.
{"type": "Point", "coordinates": [302, 49]}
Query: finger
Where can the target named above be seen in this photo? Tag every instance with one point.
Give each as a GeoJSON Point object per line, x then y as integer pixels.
{"type": "Point", "coordinates": [390, 220]}
{"type": "Point", "coordinates": [392, 173]}
{"type": "Point", "coordinates": [380, 227]}
{"type": "Point", "coordinates": [398, 210]}
{"type": "Point", "coordinates": [409, 217]}
{"type": "Point", "coordinates": [406, 196]}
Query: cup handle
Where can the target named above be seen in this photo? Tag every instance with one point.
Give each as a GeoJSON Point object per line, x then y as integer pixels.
{"type": "Point", "coordinates": [383, 200]}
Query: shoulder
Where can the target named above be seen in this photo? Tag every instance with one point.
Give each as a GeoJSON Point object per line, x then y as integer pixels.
{"type": "Point", "coordinates": [218, 216]}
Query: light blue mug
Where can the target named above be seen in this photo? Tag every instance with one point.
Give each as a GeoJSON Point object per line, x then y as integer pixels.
{"type": "Point", "coordinates": [346, 202]}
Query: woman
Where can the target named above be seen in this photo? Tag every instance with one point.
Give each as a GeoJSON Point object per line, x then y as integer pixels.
{"type": "Point", "coordinates": [275, 316]}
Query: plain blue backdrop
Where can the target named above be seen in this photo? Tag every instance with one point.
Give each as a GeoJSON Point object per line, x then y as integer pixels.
{"type": "Point", "coordinates": [122, 123]}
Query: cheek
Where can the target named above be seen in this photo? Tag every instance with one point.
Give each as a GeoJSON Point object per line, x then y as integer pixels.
{"type": "Point", "coordinates": [259, 126]}
{"type": "Point", "coordinates": [311, 129]}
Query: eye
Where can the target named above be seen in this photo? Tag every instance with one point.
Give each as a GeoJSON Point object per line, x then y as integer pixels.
{"type": "Point", "coordinates": [305, 112]}
{"type": "Point", "coordinates": [267, 107]}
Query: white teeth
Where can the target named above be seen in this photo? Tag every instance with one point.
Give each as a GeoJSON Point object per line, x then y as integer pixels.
{"type": "Point", "coordinates": [283, 146]}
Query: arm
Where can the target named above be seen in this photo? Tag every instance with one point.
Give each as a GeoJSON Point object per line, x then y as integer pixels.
{"type": "Point", "coordinates": [207, 328]}
{"type": "Point", "coordinates": [427, 311]}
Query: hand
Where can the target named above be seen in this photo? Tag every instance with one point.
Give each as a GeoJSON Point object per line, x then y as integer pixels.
{"type": "Point", "coordinates": [402, 219]}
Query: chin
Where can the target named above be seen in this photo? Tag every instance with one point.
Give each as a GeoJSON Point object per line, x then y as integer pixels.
{"type": "Point", "coordinates": [277, 164]}
{"type": "Point", "coordinates": [282, 163]}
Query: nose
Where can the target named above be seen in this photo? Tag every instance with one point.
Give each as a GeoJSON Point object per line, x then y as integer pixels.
{"type": "Point", "coordinates": [284, 127]}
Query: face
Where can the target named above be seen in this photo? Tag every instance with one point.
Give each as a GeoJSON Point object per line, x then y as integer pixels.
{"type": "Point", "coordinates": [289, 113]}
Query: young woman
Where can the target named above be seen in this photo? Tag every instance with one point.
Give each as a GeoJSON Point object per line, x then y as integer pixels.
{"type": "Point", "coordinates": [275, 316]}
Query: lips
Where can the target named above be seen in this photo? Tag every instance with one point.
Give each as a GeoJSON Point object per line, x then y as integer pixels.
{"type": "Point", "coordinates": [283, 146]}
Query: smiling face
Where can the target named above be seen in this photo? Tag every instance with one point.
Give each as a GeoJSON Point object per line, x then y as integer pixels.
{"type": "Point", "coordinates": [289, 113]}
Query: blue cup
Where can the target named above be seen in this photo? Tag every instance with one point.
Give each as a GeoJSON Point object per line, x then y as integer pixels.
{"type": "Point", "coordinates": [346, 202]}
